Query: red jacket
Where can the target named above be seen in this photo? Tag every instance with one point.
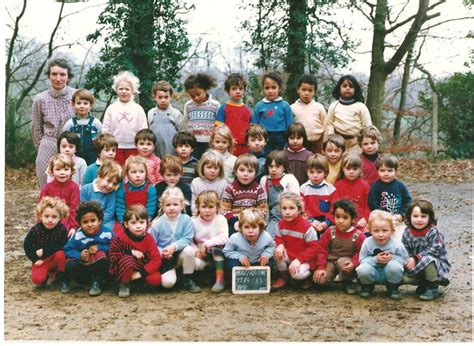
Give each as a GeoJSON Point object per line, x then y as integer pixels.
{"type": "Point", "coordinates": [357, 192]}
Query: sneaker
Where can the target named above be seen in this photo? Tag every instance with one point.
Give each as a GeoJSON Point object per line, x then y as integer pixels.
{"type": "Point", "coordinates": [218, 287]}
{"type": "Point", "coordinates": [351, 288]}
{"type": "Point", "coordinates": [124, 290]}
{"type": "Point", "coordinates": [65, 287]}
{"type": "Point", "coordinates": [393, 292]}
{"type": "Point", "coordinates": [96, 289]}
{"type": "Point", "coordinates": [366, 291]}
{"type": "Point", "coordinates": [430, 294]}
{"type": "Point", "coordinates": [190, 285]}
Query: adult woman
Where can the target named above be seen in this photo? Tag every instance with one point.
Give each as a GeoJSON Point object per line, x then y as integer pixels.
{"type": "Point", "coordinates": [51, 109]}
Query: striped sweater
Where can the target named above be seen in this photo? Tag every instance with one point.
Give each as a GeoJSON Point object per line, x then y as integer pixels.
{"type": "Point", "coordinates": [237, 197]}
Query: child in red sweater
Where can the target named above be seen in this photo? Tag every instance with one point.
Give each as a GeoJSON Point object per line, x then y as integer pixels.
{"type": "Point", "coordinates": [339, 248]}
{"type": "Point", "coordinates": [369, 141]}
{"type": "Point", "coordinates": [296, 243]}
{"type": "Point", "coordinates": [61, 167]}
{"type": "Point", "coordinates": [133, 253]}
{"type": "Point", "coordinates": [354, 188]}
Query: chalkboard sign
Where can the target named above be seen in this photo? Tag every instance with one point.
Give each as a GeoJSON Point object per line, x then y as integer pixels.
{"type": "Point", "coordinates": [251, 280]}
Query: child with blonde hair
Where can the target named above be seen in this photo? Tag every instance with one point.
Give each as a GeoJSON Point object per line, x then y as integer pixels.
{"type": "Point", "coordinates": [428, 265]}
{"type": "Point", "coordinates": [223, 143]}
{"type": "Point", "coordinates": [244, 192]}
{"type": "Point", "coordinates": [137, 190]}
{"type": "Point", "coordinates": [173, 233]}
{"type": "Point", "coordinates": [45, 241]}
{"type": "Point", "coordinates": [133, 254]}
{"type": "Point", "coordinates": [251, 245]}
{"type": "Point", "coordinates": [61, 167]}
{"type": "Point", "coordinates": [382, 257]}
{"type": "Point", "coordinates": [296, 243]}
{"type": "Point", "coordinates": [201, 111]}
{"type": "Point", "coordinates": [333, 148]}
{"type": "Point", "coordinates": [211, 235]}
{"type": "Point", "coordinates": [211, 176]}
{"type": "Point", "coordinates": [124, 118]}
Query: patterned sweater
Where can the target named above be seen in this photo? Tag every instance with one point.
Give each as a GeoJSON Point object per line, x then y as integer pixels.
{"type": "Point", "coordinates": [82, 240]}
{"type": "Point", "coordinates": [50, 240]}
{"type": "Point", "coordinates": [273, 115]}
{"type": "Point", "coordinates": [392, 197]}
{"type": "Point", "coordinates": [200, 118]}
{"type": "Point", "coordinates": [237, 197]}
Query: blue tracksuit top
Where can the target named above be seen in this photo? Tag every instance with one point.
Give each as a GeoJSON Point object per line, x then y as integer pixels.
{"type": "Point", "coordinates": [273, 115]}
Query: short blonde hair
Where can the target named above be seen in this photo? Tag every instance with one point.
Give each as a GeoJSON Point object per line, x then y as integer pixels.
{"type": "Point", "coordinates": [53, 203]}
{"type": "Point", "coordinates": [225, 132]}
{"type": "Point", "coordinates": [209, 198]}
{"type": "Point", "coordinates": [110, 169]}
{"type": "Point", "coordinates": [211, 158]}
{"type": "Point", "coordinates": [61, 160]}
{"type": "Point", "coordinates": [253, 217]}
{"type": "Point", "coordinates": [293, 197]}
{"type": "Point", "coordinates": [129, 77]}
{"type": "Point", "coordinates": [382, 216]}
{"type": "Point", "coordinates": [171, 192]}
{"type": "Point", "coordinates": [135, 160]}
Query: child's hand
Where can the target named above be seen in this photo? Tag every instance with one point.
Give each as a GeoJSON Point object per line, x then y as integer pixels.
{"type": "Point", "coordinates": [410, 264]}
{"type": "Point", "coordinates": [39, 262]}
{"type": "Point", "coordinates": [384, 257]}
{"type": "Point", "coordinates": [263, 260]}
{"type": "Point", "coordinates": [71, 233]}
{"type": "Point", "coordinates": [137, 254]}
{"type": "Point", "coordinates": [136, 275]}
{"type": "Point", "coordinates": [315, 223]}
{"type": "Point", "coordinates": [347, 267]}
{"type": "Point", "coordinates": [294, 267]}
{"type": "Point", "coordinates": [321, 226]}
{"type": "Point", "coordinates": [93, 249]}
{"type": "Point", "coordinates": [85, 255]}
{"type": "Point", "coordinates": [362, 223]}
{"type": "Point", "coordinates": [39, 253]}
{"type": "Point", "coordinates": [169, 251]}
{"type": "Point", "coordinates": [279, 252]}
{"type": "Point", "coordinates": [245, 261]}
{"type": "Point", "coordinates": [319, 275]}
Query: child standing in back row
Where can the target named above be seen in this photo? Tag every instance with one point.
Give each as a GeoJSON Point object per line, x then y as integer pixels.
{"type": "Point", "coordinates": [310, 113]}
{"type": "Point", "coordinates": [235, 114]}
{"type": "Point", "coordinates": [124, 118]}
{"type": "Point", "coordinates": [348, 115]}
{"type": "Point", "coordinates": [273, 112]}
{"type": "Point", "coordinates": [165, 120]}
{"type": "Point", "coordinates": [200, 112]}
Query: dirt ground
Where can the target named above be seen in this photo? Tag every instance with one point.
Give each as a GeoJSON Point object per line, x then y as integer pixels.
{"type": "Point", "coordinates": [289, 315]}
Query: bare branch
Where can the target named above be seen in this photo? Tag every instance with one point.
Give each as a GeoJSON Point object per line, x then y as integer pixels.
{"type": "Point", "coordinates": [445, 21]}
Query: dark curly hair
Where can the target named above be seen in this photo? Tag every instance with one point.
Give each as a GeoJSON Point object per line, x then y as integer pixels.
{"type": "Point", "coordinates": [347, 206]}
{"type": "Point", "coordinates": [200, 80]}
{"type": "Point", "coordinates": [89, 207]}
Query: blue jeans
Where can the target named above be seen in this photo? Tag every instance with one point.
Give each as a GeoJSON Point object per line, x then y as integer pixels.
{"type": "Point", "coordinates": [376, 274]}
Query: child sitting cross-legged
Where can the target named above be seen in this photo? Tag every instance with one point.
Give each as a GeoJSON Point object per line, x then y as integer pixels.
{"type": "Point", "coordinates": [339, 248]}
{"type": "Point", "coordinates": [133, 253]}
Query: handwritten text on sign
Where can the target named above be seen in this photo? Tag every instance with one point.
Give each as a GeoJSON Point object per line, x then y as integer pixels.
{"type": "Point", "coordinates": [251, 280]}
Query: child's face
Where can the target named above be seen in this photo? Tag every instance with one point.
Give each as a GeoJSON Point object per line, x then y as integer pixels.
{"type": "Point", "coordinates": [50, 218]}
{"type": "Point", "coordinates": [271, 89]}
{"type": "Point", "coordinates": [197, 94]}
{"type": "Point", "coordinates": [351, 173]}
{"type": "Point", "coordinates": [342, 219]}
{"type": "Point", "coordinates": [124, 91]}
{"type": "Point", "coordinates": [315, 176]}
{"type": "Point", "coordinates": [386, 174]}
{"type": "Point", "coordinates": [67, 148]}
{"type": "Point", "coordinates": [236, 92]}
{"type": "Point", "coordinates": [295, 141]}
{"type": "Point", "coordinates": [256, 144]}
{"type": "Point", "coordinates": [184, 151]}
{"type": "Point", "coordinates": [289, 210]}
{"type": "Point", "coordinates": [172, 207]}
{"type": "Point", "coordinates": [275, 170]}
{"type": "Point", "coordinates": [145, 147]}
{"type": "Point", "coordinates": [162, 99]}
{"type": "Point", "coordinates": [90, 223]}
{"type": "Point", "coordinates": [250, 232]}
{"type": "Point", "coordinates": [62, 173]}
{"type": "Point", "coordinates": [369, 146]}
{"type": "Point", "coordinates": [136, 226]}
{"type": "Point", "coordinates": [347, 90]}
{"type": "Point", "coordinates": [207, 212]}
{"type": "Point", "coordinates": [306, 92]}
{"type": "Point", "coordinates": [107, 154]}
{"type": "Point", "coordinates": [171, 178]}
{"type": "Point", "coordinates": [245, 175]}
{"type": "Point", "coordinates": [418, 219]}
{"type": "Point", "coordinates": [211, 172]}
{"type": "Point", "coordinates": [333, 153]}
{"type": "Point", "coordinates": [381, 231]}
{"type": "Point", "coordinates": [137, 174]}
{"type": "Point", "coordinates": [220, 144]}
{"type": "Point", "coordinates": [107, 184]}
{"type": "Point", "coordinates": [81, 107]}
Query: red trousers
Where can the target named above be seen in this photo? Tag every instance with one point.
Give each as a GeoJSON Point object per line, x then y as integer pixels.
{"type": "Point", "coordinates": [39, 273]}
{"type": "Point", "coordinates": [240, 149]}
{"type": "Point", "coordinates": [122, 155]}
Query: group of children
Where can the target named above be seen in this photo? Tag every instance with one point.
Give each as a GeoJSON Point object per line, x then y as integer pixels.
{"type": "Point", "coordinates": [287, 187]}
